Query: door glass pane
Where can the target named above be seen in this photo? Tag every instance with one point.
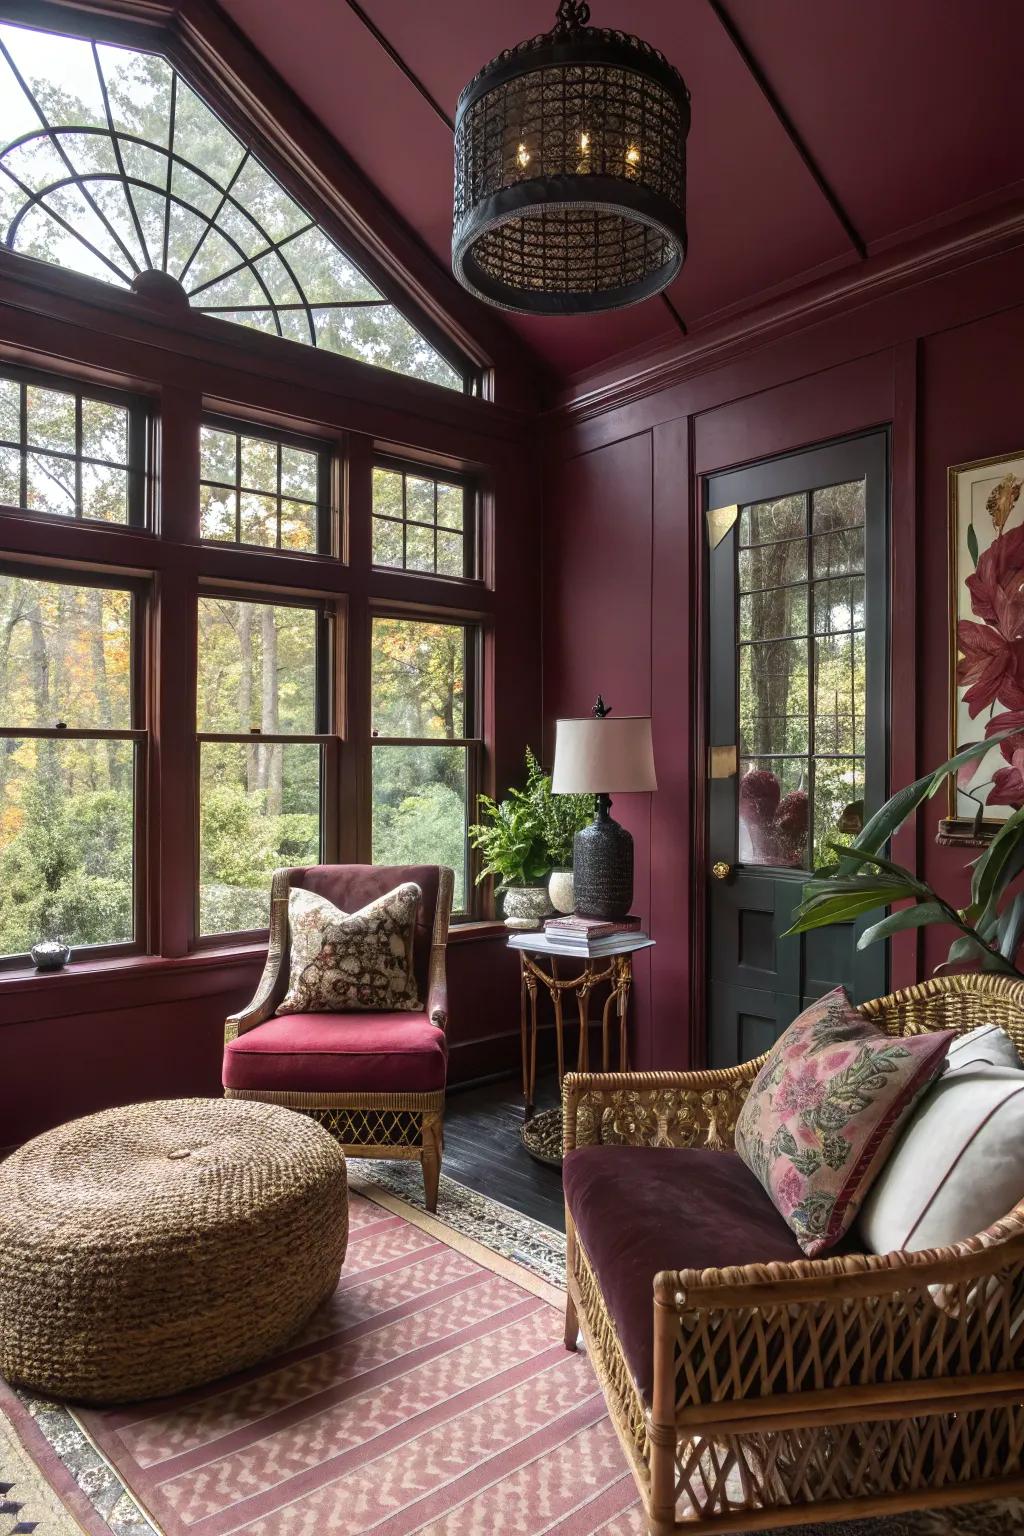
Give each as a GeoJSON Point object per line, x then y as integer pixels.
{"type": "Point", "coordinates": [259, 809]}
{"type": "Point", "coordinates": [801, 675]}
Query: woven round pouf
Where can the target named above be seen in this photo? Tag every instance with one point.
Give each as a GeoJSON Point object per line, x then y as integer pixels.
{"type": "Point", "coordinates": [148, 1249]}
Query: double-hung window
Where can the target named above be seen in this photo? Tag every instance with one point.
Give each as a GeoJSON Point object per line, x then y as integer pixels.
{"type": "Point", "coordinates": [72, 754]}
{"type": "Point", "coordinates": [264, 670]}
{"type": "Point", "coordinates": [425, 743]}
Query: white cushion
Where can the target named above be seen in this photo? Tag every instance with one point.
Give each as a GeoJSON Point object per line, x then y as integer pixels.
{"type": "Point", "coordinates": [988, 1044]}
{"type": "Point", "coordinates": [957, 1166]}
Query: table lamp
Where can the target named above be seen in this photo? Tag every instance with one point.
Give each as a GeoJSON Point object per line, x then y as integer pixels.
{"type": "Point", "coordinates": [603, 755]}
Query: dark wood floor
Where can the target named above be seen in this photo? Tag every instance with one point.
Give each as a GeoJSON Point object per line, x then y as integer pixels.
{"type": "Point", "coordinates": [482, 1148]}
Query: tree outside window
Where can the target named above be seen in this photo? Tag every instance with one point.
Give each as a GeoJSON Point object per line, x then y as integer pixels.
{"type": "Point", "coordinates": [424, 744]}
{"type": "Point", "coordinates": [69, 763]}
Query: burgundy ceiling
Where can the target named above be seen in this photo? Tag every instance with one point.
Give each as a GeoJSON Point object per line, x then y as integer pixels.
{"type": "Point", "coordinates": [907, 106]}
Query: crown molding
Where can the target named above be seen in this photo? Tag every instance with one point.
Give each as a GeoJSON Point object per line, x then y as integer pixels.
{"type": "Point", "coordinates": [882, 276]}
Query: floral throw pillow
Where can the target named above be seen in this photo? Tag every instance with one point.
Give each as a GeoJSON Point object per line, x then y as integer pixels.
{"type": "Point", "coordinates": [345, 962]}
{"type": "Point", "coordinates": [824, 1110]}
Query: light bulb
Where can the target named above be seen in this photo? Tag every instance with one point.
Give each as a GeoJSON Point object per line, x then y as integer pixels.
{"type": "Point", "coordinates": [632, 155]}
{"type": "Point", "coordinates": [523, 156]}
{"type": "Point", "coordinates": [584, 141]}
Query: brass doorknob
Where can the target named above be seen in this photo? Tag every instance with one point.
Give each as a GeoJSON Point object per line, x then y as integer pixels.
{"type": "Point", "coordinates": [721, 870]}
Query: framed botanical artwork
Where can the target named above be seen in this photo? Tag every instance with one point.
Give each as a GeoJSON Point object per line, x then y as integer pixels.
{"type": "Point", "coordinates": [986, 571]}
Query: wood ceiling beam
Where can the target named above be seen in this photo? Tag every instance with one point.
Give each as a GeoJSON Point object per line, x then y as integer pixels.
{"type": "Point", "coordinates": [761, 80]}
{"type": "Point", "coordinates": [396, 59]}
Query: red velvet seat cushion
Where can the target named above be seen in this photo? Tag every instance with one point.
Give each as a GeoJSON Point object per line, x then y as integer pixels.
{"type": "Point", "coordinates": [339, 1053]}
{"type": "Point", "coordinates": [639, 1210]}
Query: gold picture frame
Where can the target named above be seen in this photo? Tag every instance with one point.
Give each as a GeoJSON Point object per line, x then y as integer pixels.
{"type": "Point", "coordinates": [985, 504]}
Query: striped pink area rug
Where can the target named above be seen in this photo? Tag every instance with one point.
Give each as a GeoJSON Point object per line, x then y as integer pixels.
{"type": "Point", "coordinates": [432, 1393]}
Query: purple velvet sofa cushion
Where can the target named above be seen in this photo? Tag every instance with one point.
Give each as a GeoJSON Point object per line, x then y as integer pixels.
{"type": "Point", "coordinates": [339, 1053]}
{"type": "Point", "coordinates": [639, 1210]}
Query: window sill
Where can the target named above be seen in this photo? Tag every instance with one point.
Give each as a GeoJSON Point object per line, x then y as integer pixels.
{"type": "Point", "coordinates": [486, 928]}
{"type": "Point", "coordinates": [97, 968]}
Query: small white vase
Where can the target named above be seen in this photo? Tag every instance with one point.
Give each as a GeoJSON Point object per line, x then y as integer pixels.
{"type": "Point", "coordinates": [526, 906]}
{"type": "Point", "coordinates": [560, 889]}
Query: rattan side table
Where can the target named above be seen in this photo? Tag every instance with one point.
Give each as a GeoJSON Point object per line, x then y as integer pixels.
{"type": "Point", "coordinates": [541, 1134]}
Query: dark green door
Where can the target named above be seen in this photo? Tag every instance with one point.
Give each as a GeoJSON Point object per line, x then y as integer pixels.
{"type": "Point", "coordinates": [798, 724]}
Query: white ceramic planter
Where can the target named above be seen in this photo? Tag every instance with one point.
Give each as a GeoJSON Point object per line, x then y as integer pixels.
{"type": "Point", "coordinates": [526, 907]}
{"type": "Point", "coordinates": [560, 890]}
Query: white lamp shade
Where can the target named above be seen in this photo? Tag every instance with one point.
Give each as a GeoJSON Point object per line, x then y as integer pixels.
{"type": "Point", "coordinates": [612, 756]}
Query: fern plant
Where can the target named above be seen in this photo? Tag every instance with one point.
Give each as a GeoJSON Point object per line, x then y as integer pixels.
{"type": "Point", "coordinates": [560, 816]}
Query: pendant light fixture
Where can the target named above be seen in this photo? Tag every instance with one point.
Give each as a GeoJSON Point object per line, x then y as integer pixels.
{"type": "Point", "coordinates": [570, 172]}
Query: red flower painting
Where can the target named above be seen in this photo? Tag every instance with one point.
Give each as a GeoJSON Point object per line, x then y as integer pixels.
{"type": "Point", "coordinates": [991, 664]}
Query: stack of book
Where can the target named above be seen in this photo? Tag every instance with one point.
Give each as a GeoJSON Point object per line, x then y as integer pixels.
{"type": "Point", "coordinates": [591, 935]}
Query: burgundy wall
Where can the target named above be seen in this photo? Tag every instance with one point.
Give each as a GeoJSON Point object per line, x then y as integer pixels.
{"type": "Point", "coordinates": [936, 361]}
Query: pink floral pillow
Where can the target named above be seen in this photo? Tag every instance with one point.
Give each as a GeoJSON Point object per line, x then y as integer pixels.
{"type": "Point", "coordinates": [824, 1110]}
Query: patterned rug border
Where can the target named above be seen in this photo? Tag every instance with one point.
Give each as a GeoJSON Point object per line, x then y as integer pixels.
{"type": "Point", "coordinates": [518, 1247]}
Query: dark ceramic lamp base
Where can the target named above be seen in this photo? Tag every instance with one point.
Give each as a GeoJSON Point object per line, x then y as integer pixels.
{"type": "Point", "coordinates": [602, 866]}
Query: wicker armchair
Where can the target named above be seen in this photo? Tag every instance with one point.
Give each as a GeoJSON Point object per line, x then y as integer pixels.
{"type": "Point", "coordinates": [377, 1082]}
{"type": "Point", "coordinates": [784, 1393]}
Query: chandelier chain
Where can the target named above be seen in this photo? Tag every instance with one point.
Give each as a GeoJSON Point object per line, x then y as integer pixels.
{"type": "Point", "coordinates": [572, 16]}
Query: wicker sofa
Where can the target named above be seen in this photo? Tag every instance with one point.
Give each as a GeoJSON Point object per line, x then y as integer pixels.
{"type": "Point", "coordinates": [780, 1393]}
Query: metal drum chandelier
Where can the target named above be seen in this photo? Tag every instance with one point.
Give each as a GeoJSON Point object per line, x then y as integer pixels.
{"type": "Point", "coordinates": [570, 172]}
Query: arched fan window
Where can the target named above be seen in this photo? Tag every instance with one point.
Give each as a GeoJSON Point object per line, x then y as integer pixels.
{"type": "Point", "coordinates": [110, 164]}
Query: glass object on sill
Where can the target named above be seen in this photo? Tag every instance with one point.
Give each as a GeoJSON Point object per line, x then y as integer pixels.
{"type": "Point", "coordinates": [417, 678]}
{"type": "Point", "coordinates": [419, 809]}
{"type": "Point", "coordinates": [69, 656]}
{"type": "Point", "coordinates": [259, 809]}
{"type": "Point", "coordinates": [67, 808]}
{"type": "Point", "coordinates": [256, 666]}
{"type": "Point", "coordinates": [772, 805]}
{"type": "Point", "coordinates": [50, 955]}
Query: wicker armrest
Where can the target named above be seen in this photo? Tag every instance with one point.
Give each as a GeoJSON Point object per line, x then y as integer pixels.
{"type": "Point", "coordinates": [655, 1109]}
{"type": "Point", "coordinates": [270, 990]}
{"type": "Point", "coordinates": [891, 1326]}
